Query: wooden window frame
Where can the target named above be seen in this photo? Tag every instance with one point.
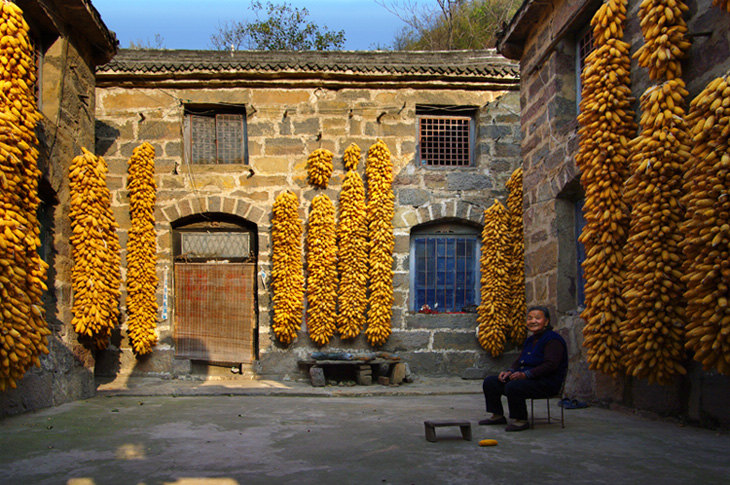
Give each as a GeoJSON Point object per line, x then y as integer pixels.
{"type": "Point", "coordinates": [216, 113]}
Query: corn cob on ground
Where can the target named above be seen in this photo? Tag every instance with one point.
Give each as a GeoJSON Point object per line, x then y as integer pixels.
{"type": "Point", "coordinates": [321, 271]}
{"type": "Point", "coordinates": [142, 251]}
{"type": "Point", "coordinates": [606, 126]}
{"type": "Point", "coordinates": [380, 210]}
{"type": "Point", "coordinates": [518, 306]}
{"type": "Point", "coordinates": [352, 250]}
{"type": "Point", "coordinates": [96, 273]}
{"type": "Point", "coordinates": [706, 229]}
{"type": "Point", "coordinates": [494, 312]}
{"type": "Point", "coordinates": [23, 328]}
{"type": "Point", "coordinates": [287, 269]}
{"type": "Point", "coordinates": [319, 167]}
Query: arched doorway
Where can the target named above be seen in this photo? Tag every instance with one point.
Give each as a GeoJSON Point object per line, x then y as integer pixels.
{"type": "Point", "coordinates": [215, 289]}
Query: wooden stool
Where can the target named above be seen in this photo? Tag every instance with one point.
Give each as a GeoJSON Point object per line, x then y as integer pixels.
{"type": "Point", "coordinates": [464, 426]}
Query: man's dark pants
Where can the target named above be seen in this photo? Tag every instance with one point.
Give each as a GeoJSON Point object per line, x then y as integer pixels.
{"type": "Point", "coordinates": [517, 392]}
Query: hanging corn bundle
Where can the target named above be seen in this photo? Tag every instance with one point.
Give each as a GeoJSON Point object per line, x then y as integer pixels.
{"type": "Point", "coordinates": [23, 328]}
{"type": "Point", "coordinates": [142, 251]}
{"type": "Point", "coordinates": [494, 311]}
{"type": "Point", "coordinates": [380, 210]}
{"type": "Point", "coordinates": [352, 245]}
{"type": "Point", "coordinates": [653, 332]}
{"type": "Point", "coordinates": [665, 38]}
{"type": "Point", "coordinates": [96, 273]}
{"type": "Point", "coordinates": [286, 274]}
{"type": "Point", "coordinates": [321, 271]}
{"type": "Point", "coordinates": [518, 306]}
{"type": "Point", "coordinates": [606, 126]}
{"type": "Point", "coordinates": [706, 228]}
{"type": "Point", "coordinates": [319, 167]}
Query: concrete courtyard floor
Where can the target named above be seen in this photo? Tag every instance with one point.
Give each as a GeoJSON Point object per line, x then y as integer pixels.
{"type": "Point", "coordinates": [251, 432]}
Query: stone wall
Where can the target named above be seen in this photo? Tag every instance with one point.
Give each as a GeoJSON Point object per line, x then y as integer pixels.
{"type": "Point", "coordinates": [284, 126]}
{"type": "Point", "coordinates": [551, 184]}
{"type": "Point", "coordinates": [67, 104]}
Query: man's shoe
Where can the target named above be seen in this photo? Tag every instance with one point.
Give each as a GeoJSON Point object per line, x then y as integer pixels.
{"type": "Point", "coordinates": [517, 427]}
{"type": "Point", "coordinates": [488, 421]}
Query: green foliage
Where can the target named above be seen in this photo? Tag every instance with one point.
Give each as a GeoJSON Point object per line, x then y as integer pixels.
{"type": "Point", "coordinates": [452, 24]}
{"type": "Point", "coordinates": [284, 28]}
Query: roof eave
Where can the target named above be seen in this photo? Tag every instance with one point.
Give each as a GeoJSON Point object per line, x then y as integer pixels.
{"type": "Point", "coordinates": [511, 39]}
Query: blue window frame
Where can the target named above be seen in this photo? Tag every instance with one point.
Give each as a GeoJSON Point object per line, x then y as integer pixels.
{"type": "Point", "coordinates": [445, 272]}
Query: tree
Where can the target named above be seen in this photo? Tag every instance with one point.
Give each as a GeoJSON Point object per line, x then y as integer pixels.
{"type": "Point", "coordinates": [450, 24]}
{"type": "Point", "coordinates": [284, 28]}
{"type": "Point", "coordinates": [157, 43]}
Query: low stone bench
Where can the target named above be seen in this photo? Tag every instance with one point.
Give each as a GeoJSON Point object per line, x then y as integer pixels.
{"type": "Point", "coordinates": [464, 426]}
{"type": "Point", "coordinates": [389, 371]}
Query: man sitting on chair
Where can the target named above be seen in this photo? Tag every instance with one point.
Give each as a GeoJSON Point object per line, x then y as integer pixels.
{"type": "Point", "coordinates": [538, 372]}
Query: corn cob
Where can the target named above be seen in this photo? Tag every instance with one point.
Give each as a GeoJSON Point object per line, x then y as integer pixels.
{"type": "Point", "coordinates": [23, 328]}
{"type": "Point", "coordinates": [319, 167]}
{"type": "Point", "coordinates": [493, 313]}
{"type": "Point", "coordinates": [653, 332]}
{"type": "Point", "coordinates": [321, 271]}
{"type": "Point", "coordinates": [142, 251]}
{"type": "Point", "coordinates": [706, 228]}
{"type": "Point", "coordinates": [95, 277]}
{"type": "Point", "coordinates": [286, 273]}
{"type": "Point", "coordinates": [606, 125]}
{"type": "Point", "coordinates": [517, 305]}
{"type": "Point", "coordinates": [352, 246]}
{"type": "Point", "coordinates": [665, 41]}
{"type": "Point", "coordinates": [380, 210]}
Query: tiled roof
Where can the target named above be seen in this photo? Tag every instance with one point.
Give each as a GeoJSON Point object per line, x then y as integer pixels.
{"type": "Point", "coordinates": [479, 66]}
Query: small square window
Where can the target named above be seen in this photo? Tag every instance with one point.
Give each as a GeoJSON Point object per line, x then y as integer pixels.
{"type": "Point", "coordinates": [445, 136]}
{"type": "Point", "coordinates": [215, 136]}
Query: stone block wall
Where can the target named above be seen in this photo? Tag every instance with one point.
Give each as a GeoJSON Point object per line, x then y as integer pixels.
{"type": "Point", "coordinates": [284, 126]}
{"type": "Point", "coordinates": [551, 184]}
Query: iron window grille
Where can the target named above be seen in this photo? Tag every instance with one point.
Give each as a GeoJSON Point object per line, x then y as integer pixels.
{"type": "Point", "coordinates": [583, 47]}
{"type": "Point", "coordinates": [216, 136]}
{"type": "Point", "coordinates": [445, 141]}
{"type": "Point", "coordinates": [446, 272]}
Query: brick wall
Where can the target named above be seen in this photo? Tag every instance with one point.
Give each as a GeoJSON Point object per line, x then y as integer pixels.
{"type": "Point", "coordinates": [284, 126]}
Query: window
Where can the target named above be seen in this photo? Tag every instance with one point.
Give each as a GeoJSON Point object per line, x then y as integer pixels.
{"type": "Point", "coordinates": [583, 47]}
{"type": "Point", "coordinates": [445, 135]}
{"type": "Point", "coordinates": [216, 136]}
{"type": "Point", "coordinates": [445, 268]}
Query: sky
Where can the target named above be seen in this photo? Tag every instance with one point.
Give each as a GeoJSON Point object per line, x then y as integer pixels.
{"type": "Point", "coordinates": [188, 24]}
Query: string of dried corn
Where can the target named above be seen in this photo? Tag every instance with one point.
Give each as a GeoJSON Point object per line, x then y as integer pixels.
{"type": "Point", "coordinates": [352, 245]}
{"type": "Point", "coordinates": [518, 306]}
{"type": "Point", "coordinates": [321, 271]}
{"type": "Point", "coordinates": [319, 167]}
{"type": "Point", "coordinates": [142, 251]}
{"type": "Point", "coordinates": [287, 278]}
{"type": "Point", "coordinates": [23, 328]}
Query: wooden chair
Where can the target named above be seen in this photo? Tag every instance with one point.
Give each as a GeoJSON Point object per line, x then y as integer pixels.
{"type": "Point", "coordinates": [547, 401]}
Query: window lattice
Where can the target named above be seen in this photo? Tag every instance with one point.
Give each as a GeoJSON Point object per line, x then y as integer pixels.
{"type": "Point", "coordinates": [215, 245]}
{"type": "Point", "coordinates": [219, 138]}
{"type": "Point", "coordinates": [446, 273]}
{"type": "Point", "coordinates": [444, 141]}
{"type": "Point", "coordinates": [585, 46]}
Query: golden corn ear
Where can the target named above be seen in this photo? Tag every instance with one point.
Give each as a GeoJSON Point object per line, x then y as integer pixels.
{"type": "Point", "coordinates": [665, 38]}
{"type": "Point", "coordinates": [493, 313]}
{"type": "Point", "coordinates": [653, 330]}
{"type": "Point", "coordinates": [96, 273]}
{"type": "Point", "coordinates": [518, 306]}
{"type": "Point", "coordinates": [352, 156]}
{"type": "Point", "coordinates": [321, 271]}
{"type": "Point", "coordinates": [381, 242]}
{"type": "Point", "coordinates": [23, 327]}
{"type": "Point", "coordinates": [352, 260]}
{"type": "Point", "coordinates": [286, 274]}
{"type": "Point", "coordinates": [319, 167]}
{"type": "Point", "coordinates": [706, 228]}
{"type": "Point", "coordinates": [606, 126]}
{"type": "Point", "coordinates": [142, 251]}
